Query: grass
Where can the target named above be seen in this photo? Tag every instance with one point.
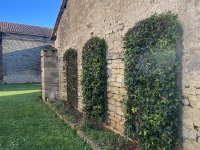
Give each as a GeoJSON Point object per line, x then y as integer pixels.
{"type": "Point", "coordinates": [26, 124]}
{"type": "Point", "coordinates": [107, 139]}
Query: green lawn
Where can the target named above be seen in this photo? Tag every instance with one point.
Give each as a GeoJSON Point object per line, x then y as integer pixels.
{"type": "Point", "coordinates": [26, 124]}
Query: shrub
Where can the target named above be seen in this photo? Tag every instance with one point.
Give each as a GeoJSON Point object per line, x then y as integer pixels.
{"type": "Point", "coordinates": [70, 66]}
{"type": "Point", "coordinates": [94, 78]}
{"type": "Point", "coordinates": [152, 104]}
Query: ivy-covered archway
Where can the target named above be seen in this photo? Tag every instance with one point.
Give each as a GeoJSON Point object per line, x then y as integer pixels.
{"type": "Point", "coordinates": [94, 78]}
{"type": "Point", "coordinates": [70, 65]}
{"type": "Point", "coordinates": [152, 105]}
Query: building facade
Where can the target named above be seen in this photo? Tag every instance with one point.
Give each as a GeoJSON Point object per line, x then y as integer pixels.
{"type": "Point", "coordinates": [20, 47]}
{"type": "Point", "coordinates": [79, 21]}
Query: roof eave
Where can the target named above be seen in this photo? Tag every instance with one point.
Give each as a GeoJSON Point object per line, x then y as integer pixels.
{"type": "Point", "coordinates": [62, 8]}
{"type": "Point", "coordinates": [39, 35]}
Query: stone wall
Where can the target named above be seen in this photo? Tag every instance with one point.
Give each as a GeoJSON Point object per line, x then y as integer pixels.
{"type": "Point", "coordinates": [111, 20]}
{"type": "Point", "coordinates": [1, 67]}
{"type": "Point", "coordinates": [116, 90]}
{"type": "Point", "coordinates": [50, 87]}
{"type": "Point", "coordinates": [21, 58]}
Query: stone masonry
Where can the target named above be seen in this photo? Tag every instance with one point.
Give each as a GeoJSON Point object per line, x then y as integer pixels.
{"type": "Point", "coordinates": [21, 58]}
{"type": "Point", "coordinates": [110, 20]}
{"type": "Point", "coordinates": [1, 67]}
{"type": "Point", "coordinates": [49, 74]}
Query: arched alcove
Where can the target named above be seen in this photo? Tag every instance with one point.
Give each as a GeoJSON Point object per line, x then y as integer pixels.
{"type": "Point", "coordinates": [70, 65]}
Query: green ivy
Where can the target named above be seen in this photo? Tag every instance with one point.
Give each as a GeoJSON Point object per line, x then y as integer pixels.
{"type": "Point", "coordinates": [70, 67]}
{"type": "Point", "coordinates": [152, 104]}
{"type": "Point", "coordinates": [94, 78]}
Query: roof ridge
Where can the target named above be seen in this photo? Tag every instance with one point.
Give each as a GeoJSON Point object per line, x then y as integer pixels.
{"type": "Point", "coordinates": [13, 27]}
{"type": "Point", "coordinates": [25, 24]}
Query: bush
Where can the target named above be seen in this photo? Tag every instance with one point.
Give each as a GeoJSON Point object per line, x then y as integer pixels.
{"type": "Point", "coordinates": [70, 67]}
{"type": "Point", "coordinates": [94, 78]}
{"type": "Point", "coordinates": [152, 104]}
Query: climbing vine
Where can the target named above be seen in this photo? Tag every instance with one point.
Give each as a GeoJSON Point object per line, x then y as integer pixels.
{"type": "Point", "coordinates": [94, 78]}
{"type": "Point", "coordinates": [152, 104]}
{"type": "Point", "coordinates": [70, 66]}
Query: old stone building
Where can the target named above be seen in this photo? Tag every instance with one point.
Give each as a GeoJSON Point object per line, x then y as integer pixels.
{"type": "Point", "coordinates": [79, 21]}
{"type": "Point", "coordinates": [20, 47]}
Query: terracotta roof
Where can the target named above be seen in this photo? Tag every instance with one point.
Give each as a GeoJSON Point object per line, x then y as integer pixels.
{"type": "Point", "coordinates": [24, 29]}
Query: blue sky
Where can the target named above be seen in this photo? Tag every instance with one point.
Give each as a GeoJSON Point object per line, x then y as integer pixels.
{"type": "Point", "coordinates": [33, 12]}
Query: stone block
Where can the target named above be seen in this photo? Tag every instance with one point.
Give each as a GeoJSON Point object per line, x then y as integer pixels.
{"type": "Point", "coordinates": [52, 95]}
{"type": "Point", "coordinates": [188, 123]}
{"type": "Point", "coordinates": [118, 117]}
{"type": "Point", "coordinates": [186, 102]}
{"type": "Point", "coordinates": [111, 123]}
{"type": "Point", "coordinates": [47, 59]}
{"type": "Point", "coordinates": [115, 60]}
{"type": "Point", "coordinates": [118, 97]}
{"type": "Point", "coordinates": [198, 133]}
{"type": "Point", "coordinates": [197, 144]}
{"type": "Point", "coordinates": [46, 93]}
{"type": "Point", "coordinates": [43, 95]}
{"type": "Point", "coordinates": [188, 145]}
{"type": "Point", "coordinates": [118, 65]}
{"type": "Point", "coordinates": [113, 118]}
{"type": "Point", "coordinates": [46, 72]}
{"type": "Point", "coordinates": [120, 111]}
{"type": "Point", "coordinates": [111, 101]}
{"type": "Point", "coordinates": [110, 113]}
{"type": "Point", "coordinates": [123, 119]}
{"type": "Point", "coordinates": [109, 62]}
{"type": "Point", "coordinates": [119, 128]}
{"type": "Point", "coordinates": [111, 78]}
{"type": "Point", "coordinates": [185, 91]}
{"type": "Point", "coordinates": [192, 90]}
{"type": "Point", "coordinates": [189, 134]}
{"type": "Point", "coordinates": [118, 104]}
{"type": "Point", "coordinates": [109, 66]}
{"type": "Point", "coordinates": [121, 123]}
{"type": "Point", "coordinates": [48, 79]}
{"type": "Point", "coordinates": [116, 55]}
{"type": "Point", "coordinates": [119, 78]}
{"type": "Point", "coordinates": [114, 90]}
{"type": "Point", "coordinates": [109, 72]}
{"type": "Point", "coordinates": [198, 91]}
{"type": "Point", "coordinates": [121, 71]}
{"type": "Point", "coordinates": [42, 63]}
{"type": "Point", "coordinates": [109, 31]}
{"type": "Point", "coordinates": [115, 84]}
{"type": "Point", "coordinates": [79, 93]}
{"type": "Point", "coordinates": [48, 53]}
{"type": "Point", "coordinates": [194, 101]}
{"type": "Point", "coordinates": [56, 80]}
{"type": "Point", "coordinates": [54, 87]}
{"type": "Point", "coordinates": [50, 64]}
{"type": "Point", "coordinates": [196, 120]}
{"type": "Point", "coordinates": [112, 108]}
{"type": "Point", "coordinates": [119, 27]}
{"type": "Point", "coordinates": [122, 91]}
{"type": "Point", "coordinates": [46, 86]}
{"type": "Point", "coordinates": [110, 95]}
{"type": "Point", "coordinates": [189, 112]}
